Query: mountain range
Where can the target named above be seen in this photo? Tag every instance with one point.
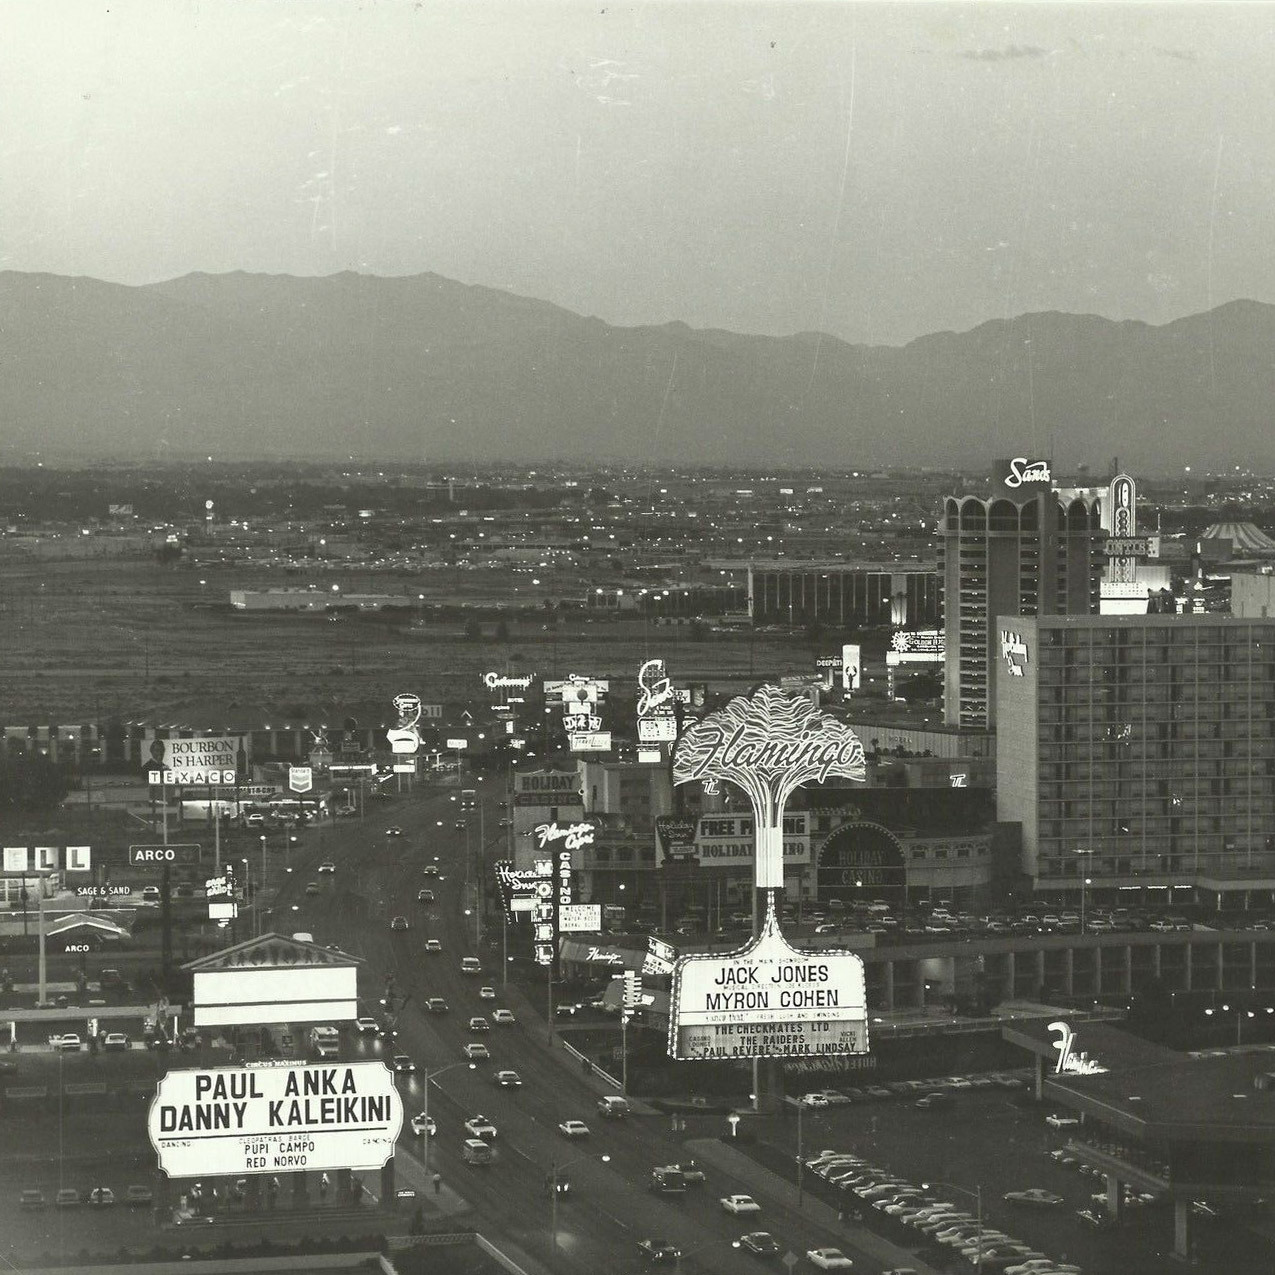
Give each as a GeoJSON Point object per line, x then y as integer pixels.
{"type": "Point", "coordinates": [427, 369]}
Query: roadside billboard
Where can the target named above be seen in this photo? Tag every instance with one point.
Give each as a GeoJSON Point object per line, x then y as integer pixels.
{"type": "Point", "coordinates": [214, 759]}
{"type": "Point", "coordinates": [768, 1000]}
{"type": "Point", "coordinates": [239, 1121]}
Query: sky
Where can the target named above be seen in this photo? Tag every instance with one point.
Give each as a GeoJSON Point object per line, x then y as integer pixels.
{"type": "Point", "coordinates": [875, 171]}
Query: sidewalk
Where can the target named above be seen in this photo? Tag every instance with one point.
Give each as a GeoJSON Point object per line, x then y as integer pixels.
{"type": "Point", "coordinates": [764, 1182]}
{"type": "Point", "coordinates": [410, 1171]}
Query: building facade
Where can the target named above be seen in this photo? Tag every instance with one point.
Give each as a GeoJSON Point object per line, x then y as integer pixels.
{"type": "Point", "coordinates": [1137, 753]}
{"type": "Point", "coordinates": [1026, 549]}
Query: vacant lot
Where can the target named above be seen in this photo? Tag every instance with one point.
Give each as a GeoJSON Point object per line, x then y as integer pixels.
{"type": "Point", "coordinates": [92, 639]}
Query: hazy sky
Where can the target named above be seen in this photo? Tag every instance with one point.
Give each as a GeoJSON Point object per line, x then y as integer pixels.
{"type": "Point", "coordinates": [875, 171]}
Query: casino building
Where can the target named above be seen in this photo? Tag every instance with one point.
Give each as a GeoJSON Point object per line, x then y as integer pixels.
{"type": "Point", "coordinates": [1027, 548]}
{"type": "Point", "coordinates": [1136, 754]}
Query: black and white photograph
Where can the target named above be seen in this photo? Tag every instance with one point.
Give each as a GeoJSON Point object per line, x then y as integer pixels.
{"type": "Point", "coordinates": [637, 637]}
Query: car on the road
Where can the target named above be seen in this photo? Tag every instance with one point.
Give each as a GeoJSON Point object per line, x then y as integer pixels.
{"type": "Point", "coordinates": [486, 993]}
{"type": "Point", "coordinates": [818, 1101]}
{"type": "Point", "coordinates": [613, 1107]}
{"type": "Point", "coordinates": [399, 923]}
{"type": "Point", "coordinates": [430, 870]}
{"type": "Point", "coordinates": [935, 1102]}
{"type": "Point", "coordinates": [504, 1017]}
{"type": "Point", "coordinates": [114, 1041]}
{"type": "Point", "coordinates": [479, 1024]}
{"type": "Point", "coordinates": [137, 1195]}
{"type": "Point", "coordinates": [327, 866]}
{"type": "Point", "coordinates": [366, 1026]}
{"type": "Point", "coordinates": [573, 1129]}
{"type": "Point", "coordinates": [421, 1124]}
{"type": "Point", "coordinates": [476, 1050]}
{"type": "Point", "coordinates": [691, 1173]}
{"type": "Point", "coordinates": [1095, 1217]}
{"type": "Point", "coordinates": [403, 1063]}
{"type": "Point", "coordinates": [394, 831]}
{"type": "Point", "coordinates": [150, 894]}
{"type": "Point", "coordinates": [459, 825]}
{"type": "Point", "coordinates": [101, 1197]}
{"type": "Point", "coordinates": [433, 945]}
{"type": "Point", "coordinates": [312, 888]}
{"type": "Point", "coordinates": [828, 1259]}
{"type": "Point", "coordinates": [480, 1127]}
{"type": "Point", "coordinates": [1057, 1121]}
{"type": "Point", "coordinates": [739, 1204]}
{"type": "Point", "coordinates": [436, 1005]}
{"type": "Point", "coordinates": [425, 896]}
{"type": "Point", "coordinates": [1034, 1195]}
{"type": "Point", "coordinates": [31, 1199]}
{"type": "Point", "coordinates": [760, 1243]}
{"type": "Point", "coordinates": [67, 1198]}
{"type": "Point", "coordinates": [470, 965]}
{"type": "Point", "coordinates": [659, 1251]}
{"type": "Point", "coordinates": [508, 1079]}
{"type": "Point", "coordinates": [66, 1042]}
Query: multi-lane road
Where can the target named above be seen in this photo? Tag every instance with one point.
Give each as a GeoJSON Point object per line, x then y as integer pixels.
{"type": "Point", "coordinates": [610, 1207]}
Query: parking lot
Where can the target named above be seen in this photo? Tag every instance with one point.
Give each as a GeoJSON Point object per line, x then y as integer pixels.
{"type": "Point", "coordinates": [987, 1142]}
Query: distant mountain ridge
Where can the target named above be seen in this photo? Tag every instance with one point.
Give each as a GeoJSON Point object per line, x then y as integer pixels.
{"type": "Point", "coordinates": [426, 369]}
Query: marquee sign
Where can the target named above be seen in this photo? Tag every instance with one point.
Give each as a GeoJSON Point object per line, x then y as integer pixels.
{"type": "Point", "coordinates": [274, 979]}
{"type": "Point", "coordinates": [656, 705]}
{"type": "Point", "coordinates": [1070, 1061]}
{"type": "Point", "coordinates": [767, 999]}
{"type": "Point", "coordinates": [232, 1120]}
{"type": "Point", "coordinates": [768, 744]}
{"type": "Point", "coordinates": [574, 836]}
{"type": "Point", "coordinates": [300, 778]}
{"type": "Point", "coordinates": [403, 736]}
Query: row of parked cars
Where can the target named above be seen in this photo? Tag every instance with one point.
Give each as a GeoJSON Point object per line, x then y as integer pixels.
{"type": "Point", "coordinates": [915, 1089]}
{"type": "Point", "coordinates": [99, 1197]}
{"type": "Point", "coordinates": [920, 1211]}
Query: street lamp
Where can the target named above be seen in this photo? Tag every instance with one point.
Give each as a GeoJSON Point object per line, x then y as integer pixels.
{"type": "Point", "coordinates": [425, 1079]}
{"type": "Point", "coordinates": [1084, 882]}
{"type": "Point", "coordinates": [1239, 1020]}
{"type": "Point", "coordinates": [554, 1171]}
{"type": "Point", "coordinates": [977, 1196]}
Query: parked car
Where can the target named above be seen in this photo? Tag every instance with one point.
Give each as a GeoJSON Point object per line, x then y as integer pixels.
{"type": "Point", "coordinates": [67, 1198]}
{"type": "Point", "coordinates": [137, 1195]}
{"type": "Point", "coordinates": [1057, 1121]}
{"type": "Point", "coordinates": [66, 1042]}
{"type": "Point", "coordinates": [115, 1041]}
{"type": "Point", "coordinates": [829, 1259]}
{"type": "Point", "coordinates": [101, 1197]}
{"type": "Point", "coordinates": [31, 1199]}
{"type": "Point", "coordinates": [1034, 1195]}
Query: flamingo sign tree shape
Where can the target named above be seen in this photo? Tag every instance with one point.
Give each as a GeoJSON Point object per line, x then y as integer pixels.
{"type": "Point", "coordinates": [768, 744]}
